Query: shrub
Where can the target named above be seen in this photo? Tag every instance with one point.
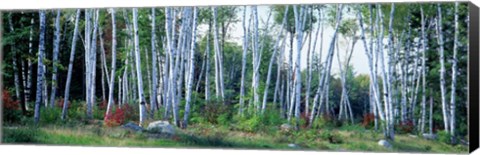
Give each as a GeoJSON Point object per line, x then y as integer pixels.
{"type": "Point", "coordinates": [118, 116]}
{"type": "Point", "coordinates": [333, 138]}
{"type": "Point", "coordinates": [272, 118]}
{"type": "Point", "coordinates": [444, 137]}
{"type": "Point", "coordinates": [8, 102]}
{"type": "Point", "coordinates": [326, 121]}
{"type": "Point", "coordinates": [60, 103]}
{"type": "Point", "coordinates": [304, 119]}
{"type": "Point", "coordinates": [368, 120]}
{"type": "Point", "coordinates": [11, 112]}
{"type": "Point", "coordinates": [50, 115]}
{"type": "Point", "coordinates": [251, 124]}
{"type": "Point", "coordinates": [21, 135]}
{"type": "Point", "coordinates": [213, 109]}
{"type": "Point", "coordinates": [223, 119]}
{"type": "Point", "coordinates": [76, 110]}
{"type": "Point", "coordinates": [405, 127]}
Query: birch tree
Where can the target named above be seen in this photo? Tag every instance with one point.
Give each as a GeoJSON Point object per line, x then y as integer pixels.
{"type": "Point", "coordinates": [324, 78]}
{"type": "Point", "coordinates": [153, 98]}
{"type": "Point", "coordinates": [40, 72]}
{"type": "Point", "coordinates": [56, 46]}
{"type": "Point", "coordinates": [218, 59]}
{"type": "Point", "coordinates": [19, 86]}
{"type": "Point", "coordinates": [424, 51]}
{"type": "Point", "coordinates": [255, 60]}
{"type": "Point", "coordinates": [442, 68]}
{"type": "Point", "coordinates": [244, 60]}
{"type": "Point", "coordinates": [114, 57]}
{"type": "Point", "coordinates": [141, 98]}
{"type": "Point", "coordinates": [272, 58]}
{"type": "Point", "coordinates": [454, 77]}
{"type": "Point", "coordinates": [191, 68]}
{"type": "Point", "coordinates": [70, 66]}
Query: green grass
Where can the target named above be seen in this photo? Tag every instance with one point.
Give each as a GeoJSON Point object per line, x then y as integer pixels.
{"type": "Point", "coordinates": [210, 136]}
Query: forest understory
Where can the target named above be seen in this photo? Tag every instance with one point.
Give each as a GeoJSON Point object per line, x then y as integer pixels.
{"type": "Point", "coordinates": [339, 77]}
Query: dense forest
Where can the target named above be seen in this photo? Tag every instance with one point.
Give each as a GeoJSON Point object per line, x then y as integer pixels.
{"type": "Point", "coordinates": [184, 66]}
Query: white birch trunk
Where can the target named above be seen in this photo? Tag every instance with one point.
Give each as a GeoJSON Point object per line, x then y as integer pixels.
{"type": "Point", "coordinates": [272, 59]}
{"type": "Point", "coordinates": [70, 66]}
{"type": "Point", "coordinates": [424, 50]}
{"type": "Point", "coordinates": [56, 47]}
{"type": "Point", "coordinates": [244, 60]}
{"type": "Point", "coordinates": [114, 58]}
{"type": "Point", "coordinates": [153, 100]}
{"type": "Point", "coordinates": [141, 98]}
{"type": "Point", "coordinates": [191, 69]}
{"type": "Point", "coordinates": [442, 69]}
{"type": "Point", "coordinates": [40, 72]}
{"type": "Point", "coordinates": [454, 77]}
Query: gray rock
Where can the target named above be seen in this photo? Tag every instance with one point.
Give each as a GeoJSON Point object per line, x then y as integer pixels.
{"type": "Point", "coordinates": [430, 136]}
{"type": "Point", "coordinates": [384, 143]}
{"type": "Point", "coordinates": [293, 145]}
{"type": "Point", "coordinates": [286, 127]}
{"type": "Point", "coordinates": [162, 127]}
{"type": "Point", "coordinates": [132, 127]}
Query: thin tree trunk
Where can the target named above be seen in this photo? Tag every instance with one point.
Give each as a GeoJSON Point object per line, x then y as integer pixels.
{"type": "Point", "coordinates": [255, 60]}
{"type": "Point", "coordinates": [56, 46]}
{"type": "Point", "coordinates": [272, 59]}
{"type": "Point", "coordinates": [153, 98]}
{"type": "Point", "coordinates": [114, 58]}
{"type": "Point", "coordinates": [424, 51]}
{"type": "Point", "coordinates": [244, 60]}
{"type": "Point", "coordinates": [218, 59]}
{"type": "Point", "coordinates": [454, 77]}
{"type": "Point", "coordinates": [19, 90]}
{"type": "Point", "coordinates": [325, 77]}
{"type": "Point", "coordinates": [207, 63]}
{"type": "Point", "coordinates": [442, 69]}
{"type": "Point", "coordinates": [191, 69]}
{"type": "Point", "coordinates": [14, 62]}
{"type": "Point", "coordinates": [70, 66]}
{"type": "Point", "coordinates": [28, 89]}
{"type": "Point", "coordinates": [40, 72]}
{"type": "Point", "coordinates": [431, 115]}
{"type": "Point", "coordinates": [141, 98]}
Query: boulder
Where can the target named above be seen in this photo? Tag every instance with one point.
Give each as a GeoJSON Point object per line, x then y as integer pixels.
{"type": "Point", "coordinates": [293, 145]}
{"type": "Point", "coordinates": [430, 136]}
{"type": "Point", "coordinates": [384, 143]}
{"type": "Point", "coordinates": [132, 127]}
{"type": "Point", "coordinates": [161, 127]}
{"type": "Point", "coordinates": [286, 127]}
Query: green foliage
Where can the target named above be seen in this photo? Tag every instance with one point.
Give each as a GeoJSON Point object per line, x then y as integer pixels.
{"type": "Point", "coordinates": [444, 137]}
{"type": "Point", "coordinates": [50, 115]}
{"type": "Point", "coordinates": [251, 124]}
{"type": "Point", "coordinates": [331, 137]}
{"type": "Point", "coordinates": [20, 135]}
{"type": "Point", "coordinates": [326, 122]}
{"type": "Point", "coordinates": [214, 109]}
{"type": "Point", "coordinates": [11, 116]}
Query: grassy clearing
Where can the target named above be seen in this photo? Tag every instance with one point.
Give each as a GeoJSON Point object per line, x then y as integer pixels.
{"type": "Point", "coordinates": [212, 136]}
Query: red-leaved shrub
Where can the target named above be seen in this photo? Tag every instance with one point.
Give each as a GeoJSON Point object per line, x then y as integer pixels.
{"type": "Point", "coordinates": [118, 116]}
{"type": "Point", "coordinates": [405, 127]}
{"type": "Point", "coordinates": [368, 120]}
{"type": "Point", "coordinates": [8, 102]}
{"type": "Point", "coordinates": [60, 103]}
